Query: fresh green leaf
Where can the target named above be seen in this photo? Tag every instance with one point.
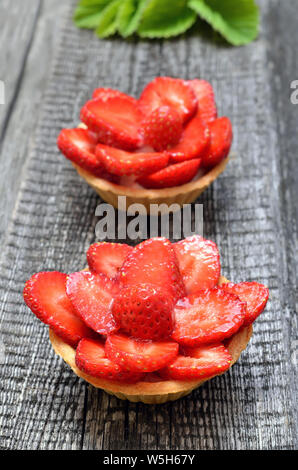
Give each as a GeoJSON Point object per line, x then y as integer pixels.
{"type": "Point", "coordinates": [129, 16]}
{"type": "Point", "coordinates": [237, 21]}
{"type": "Point", "coordinates": [164, 18]}
{"type": "Point", "coordinates": [108, 21]}
{"type": "Point", "coordinates": [88, 13]}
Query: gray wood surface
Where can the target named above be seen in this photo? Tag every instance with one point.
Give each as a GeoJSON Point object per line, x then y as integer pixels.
{"type": "Point", "coordinates": [47, 222]}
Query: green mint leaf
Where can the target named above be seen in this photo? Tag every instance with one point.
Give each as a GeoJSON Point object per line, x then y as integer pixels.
{"type": "Point", "coordinates": [88, 13]}
{"type": "Point", "coordinates": [129, 16]}
{"type": "Point", "coordinates": [237, 21]}
{"type": "Point", "coordinates": [107, 25]}
{"type": "Point", "coordinates": [164, 18]}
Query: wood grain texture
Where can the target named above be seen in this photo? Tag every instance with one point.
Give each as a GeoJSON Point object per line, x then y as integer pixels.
{"type": "Point", "coordinates": [249, 211]}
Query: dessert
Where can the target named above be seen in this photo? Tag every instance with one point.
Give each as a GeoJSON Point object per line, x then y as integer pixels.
{"type": "Point", "coordinates": [148, 323]}
{"type": "Point", "coordinates": [165, 147]}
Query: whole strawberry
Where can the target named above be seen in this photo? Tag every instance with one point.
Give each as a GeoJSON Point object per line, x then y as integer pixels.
{"type": "Point", "coordinates": [144, 311]}
{"type": "Point", "coordinates": [162, 128]}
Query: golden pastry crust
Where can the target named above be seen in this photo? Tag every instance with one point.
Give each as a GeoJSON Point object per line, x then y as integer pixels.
{"type": "Point", "coordinates": [149, 392]}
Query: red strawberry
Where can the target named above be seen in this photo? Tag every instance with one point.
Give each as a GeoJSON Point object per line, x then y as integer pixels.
{"type": "Point", "coordinates": [172, 175]}
{"type": "Point", "coordinates": [122, 163]}
{"type": "Point", "coordinates": [116, 121]}
{"type": "Point", "coordinates": [206, 101]}
{"type": "Point", "coordinates": [194, 142]}
{"type": "Point", "coordinates": [91, 295]}
{"type": "Point", "coordinates": [78, 145]}
{"type": "Point", "coordinates": [107, 258]}
{"type": "Point", "coordinates": [254, 294]}
{"type": "Point", "coordinates": [199, 263]}
{"type": "Point", "coordinates": [106, 93]}
{"type": "Point", "coordinates": [91, 359]}
{"type": "Point", "coordinates": [172, 92]}
{"type": "Point", "coordinates": [221, 136]}
{"type": "Point", "coordinates": [162, 128]}
{"type": "Point", "coordinates": [45, 295]}
{"type": "Point", "coordinates": [140, 356]}
{"type": "Point", "coordinates": [144, 311]}
{"type": "Point", "coordinates": [153, 262]}
{"type": "Point", "coordinates": [198, 363]}
{"type": "Point", "coordinates": [207, 317]}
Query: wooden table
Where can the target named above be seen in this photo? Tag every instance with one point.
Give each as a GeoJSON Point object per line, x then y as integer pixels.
{"type": "Point", "coordinates": [47, 222]}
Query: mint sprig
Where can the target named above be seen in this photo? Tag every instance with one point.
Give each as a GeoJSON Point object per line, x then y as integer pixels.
{"type": "Point", "coordinates": [236, 20]}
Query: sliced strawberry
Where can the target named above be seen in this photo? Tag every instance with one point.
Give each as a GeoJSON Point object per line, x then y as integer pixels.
{"type": "Point", "coordinates": [45, 295]}
{"type": "Point", "coordinates": [153, 262]}
{"type": "Point", "coordinates": [105, 94]}
{"type": "Point", "coordinates": [254, 294]}
{"type": "Point", "coordinates": [198, 363]}
{"type": "Point", "coordinates": [140, 356]}
{"type": "Point", "coordinates": [91, 295]}
{"type": "Point", "coordinates": [199, 263]}
{"type": "Point", "coordinates": [116, 121]}
{"type": "Point", "coordinates": [194, 142]}
{"type": "Point", "coordinates": [124, 163]}
{"type": "Point", "coordinates": [78, 145]}
{"type": "Point", "coordinates": [206, 101]}
{"type": "Point", "coordinates": [172, 175]}
{"type": "Point", "coordinates": [221, 136]}
{"type": "Point", "coordinates": [144, 311]}
{"type": "Point", "coordinates": [162, 128]}
{"type": "Point", "coordinates": [172, 92]}
{"type": "Point", "coordinates": [207, 317]}
{"type": "Point", "coordinates": [107, 258]}
{"type": "Point", "coordinates": [91, 359]}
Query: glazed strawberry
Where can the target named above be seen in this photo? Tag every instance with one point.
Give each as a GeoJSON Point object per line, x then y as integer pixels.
{"type": "Point", "coordinates": [45, 295]}
{"type": "Point", "coordinates": [107, 258]}
{"type": "Point", "coordinates": [194, 142]}
{"type": "Point", "coordinates": [78, 145]}
{"type": "Point", "coordinates": [221, 136]}
{"type": "Point", "coordinates": [206, 100]}
{"type": "Point", "coordinates": [254, 294]}
{"type": "Point", "coordinates": [172, 175]}
{"type": "Point", "coordinates": [172, 92]}
{"type": "Point", "coordinates": [140, 356]}
{"type": "Point", "coordinates": [153, 262]}
{"type": "Point", "coordinates": [124, 163]}
{"type": "Point", "coordinates": [198, 363]}
{"type": "Point", "coordinates": [207, 317]}
{"type": "Point", "coordinates": [162, 128]}
{"type": "Point", "coordinates": [91, 359]}
{"type": "Point", "coordinates": [91, 295]}
{"type": "Point", "coordinates": [116, 121]}
{"type": "Point", "coordinates": [144, 311]}
{"type": "Point", "coordinates": [199, 263]}
{"type": "Point", "coordinates": [106, 93]}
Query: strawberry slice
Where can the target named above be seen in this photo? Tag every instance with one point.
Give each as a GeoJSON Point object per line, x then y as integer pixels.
{"type": "Point", "coordinates": [124, 163]}
{"type": "Point", "coordinates": [207, 317]}
{"type": "Point", "coordinates": [105, 94]}
{"type": "Point", "coordinates": [162, 128]}
{"type": "Point", "coordinates": [172, 92]}
{"type": "Point", "coordinates": [140, 356]}
{"type": "Point", "coordinates": [206, 102]}
{"type": "Point", "coordinates": [45, 295]}
{"type": "Point", "coordinates": [116, 120]}
{"type": "Point", "coordinates": [172, 175]}
{"type": "Point", "coordinates": [198, 363]}
{"type": "Point", "coordinates": [107, 258]}
{"type": "Point", "coordinates": [254, 294]}
{"type": "Point", "coordinates": [221, 136]}
{"type": "Point", "coordinates": [194, 142]}
{"type": "Point", "coordinates": [78, 145]}
{"type": "Point", "coordinates": [199, 263]}
{"type": "Point", "coordinates": [91, 359]}
{"type": "Point", "coordinates": [91, 295]}
{"type": "Point", "coordinates": [144, 311]}
{"type": "Point", "coordinates": [153, 262]}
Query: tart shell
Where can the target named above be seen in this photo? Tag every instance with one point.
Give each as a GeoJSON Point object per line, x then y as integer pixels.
{"type": "Point", "coordinates": [149, 392]}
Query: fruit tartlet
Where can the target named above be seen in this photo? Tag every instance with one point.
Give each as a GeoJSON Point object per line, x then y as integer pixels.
{"type": "Point", "coordinates": [167, 146]}
{"type": "Point", "coordinates": [149, 323]}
